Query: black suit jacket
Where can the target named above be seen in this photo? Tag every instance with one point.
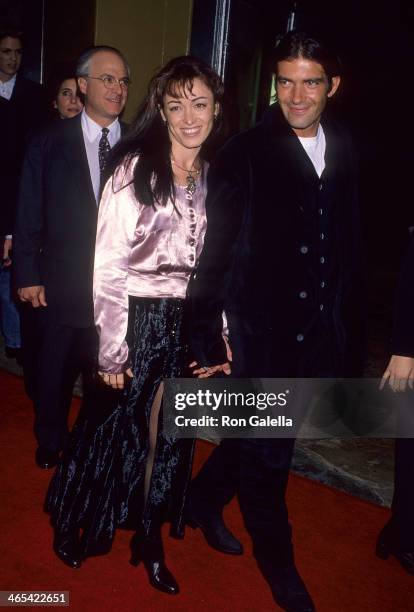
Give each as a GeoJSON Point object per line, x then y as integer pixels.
{"type": "Point", "coordinates": [18, 117]}
{"type": "Point", "coordinates": [260, 257]}
{"type": "Point", "coordinates": [54, 237]}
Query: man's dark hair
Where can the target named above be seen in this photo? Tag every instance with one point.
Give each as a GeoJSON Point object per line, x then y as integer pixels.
{"type": "Point", "coordinates": [299, 44]}
{"type": "Point", "coordinates": [10, 32]}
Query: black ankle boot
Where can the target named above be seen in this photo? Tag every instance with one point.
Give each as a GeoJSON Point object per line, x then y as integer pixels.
{"type": "Point", "coordinates": [214, 530]}
{"type": "Point", "coordinates": [385, 548]}
{"type": "Point", "coordinates": [150, 551]}
{"type": "Point", "coordinates": [288, 589]}
{"type": "Point", "coordinates": [67, 547]}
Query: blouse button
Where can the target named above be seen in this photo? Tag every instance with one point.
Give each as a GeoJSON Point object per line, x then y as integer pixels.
{"type": "Point", "coordinates": [191, 242]}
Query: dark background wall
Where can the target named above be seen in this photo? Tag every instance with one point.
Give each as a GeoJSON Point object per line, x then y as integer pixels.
{"type": "Point", "coordinates": [69, 27]}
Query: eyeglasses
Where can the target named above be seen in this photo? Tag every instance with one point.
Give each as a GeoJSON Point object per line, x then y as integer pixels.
{"type": "Point", "coordinates": [110, 81]}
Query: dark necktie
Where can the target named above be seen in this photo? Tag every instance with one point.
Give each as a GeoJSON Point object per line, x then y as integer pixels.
{"type": "Point", "coordinates": [103, 149]}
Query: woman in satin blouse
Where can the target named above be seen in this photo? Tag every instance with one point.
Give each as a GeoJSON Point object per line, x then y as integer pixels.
{"type": "Point", "coordinates": [120, 470]}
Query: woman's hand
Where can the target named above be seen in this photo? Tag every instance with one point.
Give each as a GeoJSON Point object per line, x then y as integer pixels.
{"type": "Point", "coordinates": [116, 381]}
{"type": "Point", "coordinates": [399, 373]}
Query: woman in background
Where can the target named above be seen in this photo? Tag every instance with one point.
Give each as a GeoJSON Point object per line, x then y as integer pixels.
{"type": "Point", "coordinates": [120, 469]}
{"type": "Point", "coordinates": [64, 95]}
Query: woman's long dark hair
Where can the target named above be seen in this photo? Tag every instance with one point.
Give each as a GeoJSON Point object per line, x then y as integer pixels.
{"type": "Point", "coordinates": [148, 136]}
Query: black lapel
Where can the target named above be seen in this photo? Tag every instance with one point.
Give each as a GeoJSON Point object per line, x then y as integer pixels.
{"type": "Point", "coordinates": [75, 155]}
{"type": "Point", "coordinates": [124, 128]}
{"type": "Point", "coordinates": [333, 158]}
{"type": "Point", "coordinates": [285, 152]}
{"type": "Point", "coordinates": [18, 89]}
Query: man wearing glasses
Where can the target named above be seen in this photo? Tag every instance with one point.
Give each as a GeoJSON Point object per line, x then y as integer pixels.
{"type": "Point", "coordinates": [62, 178]}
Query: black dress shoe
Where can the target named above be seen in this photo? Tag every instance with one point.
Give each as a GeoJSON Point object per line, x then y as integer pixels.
{"type": "Point", "coordinates": [67, 548]}
{"type": "Point", "coordinates": [384, 549]}
{"type": "Point", "coordinates": [45, 458]}
{"type": "Point", "coordinates": [215, 532]}
{"type": "Point", "coordinates": [288, 589]}
{"type": "Point", "coordinates": [13, 353]}
{"type": "Point", "coordinates": [151, 553]}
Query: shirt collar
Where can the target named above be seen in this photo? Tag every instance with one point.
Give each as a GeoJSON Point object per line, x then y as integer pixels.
{"type": "Point", "coordinates": [9, 85]}
{"type": "Point", "coordinates": [93, 130]}
{"type": "Point", "coordinates": [313, 140]}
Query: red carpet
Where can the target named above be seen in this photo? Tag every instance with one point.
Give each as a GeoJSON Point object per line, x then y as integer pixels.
{"type": "Point", "coordinates": [334, 536]}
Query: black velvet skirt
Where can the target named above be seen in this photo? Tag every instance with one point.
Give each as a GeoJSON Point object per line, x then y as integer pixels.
{"type": "Point", "coordinates": [98, 485]}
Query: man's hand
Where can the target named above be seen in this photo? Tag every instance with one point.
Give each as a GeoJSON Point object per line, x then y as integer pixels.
{"type": "Point", "coordinates": [399, 373]}
{"type": "Point", "coordinates": [116, 381]}
{"type": "Point", "coordinates": [35, 295]}
{"type": "Point", "coordinates": [7, 247]}
{"type": "Point", "coordinates": [207, 371]}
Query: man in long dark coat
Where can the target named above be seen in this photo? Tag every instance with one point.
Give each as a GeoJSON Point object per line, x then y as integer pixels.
{"type": "Point", "coordinates": [281, 258]}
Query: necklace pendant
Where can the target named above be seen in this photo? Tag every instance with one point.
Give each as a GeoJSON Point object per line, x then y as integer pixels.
{"type": "Point", "coordinates": [191, 185]}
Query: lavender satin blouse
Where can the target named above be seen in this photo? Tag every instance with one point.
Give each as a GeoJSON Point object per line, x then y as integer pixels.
{"type": "Point", "coordinates": [141, 251]}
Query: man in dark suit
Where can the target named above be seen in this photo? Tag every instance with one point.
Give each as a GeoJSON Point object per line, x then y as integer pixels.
{"type": "Point", "coordinates": [281, 258]}
{"type": "Point", "coordinates": [55, 235]}
{"type": "Point", "coordinates": [21, 109]}
{"type": "Point", "coordinates": [397, 537]}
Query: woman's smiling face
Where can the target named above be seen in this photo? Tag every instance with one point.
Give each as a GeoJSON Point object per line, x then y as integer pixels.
{"type": "Point", "coordinates": [189, 114]}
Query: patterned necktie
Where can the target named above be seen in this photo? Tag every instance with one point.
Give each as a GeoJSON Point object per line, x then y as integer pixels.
{"type": "Point", "coordinates": [103, 149]}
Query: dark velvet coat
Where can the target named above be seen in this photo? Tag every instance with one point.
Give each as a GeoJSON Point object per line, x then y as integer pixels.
{"type": "Point", "coordinates": [262, 252]}
{"type": "Point", "coordinates": [54, 237]}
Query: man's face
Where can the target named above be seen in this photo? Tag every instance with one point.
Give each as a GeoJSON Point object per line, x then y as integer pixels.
{"type": "Point", "coordinates": [10, 57]}
{"type": "Point", "coordinates": [302, 90]}
{"type": "Point", "coordinates": [103, 105]}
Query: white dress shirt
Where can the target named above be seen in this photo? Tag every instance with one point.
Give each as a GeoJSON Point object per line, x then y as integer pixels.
{"type": "Point", "coordinates": [92, 133]}
{"type": "Point", "coordinates": [6, 88]}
